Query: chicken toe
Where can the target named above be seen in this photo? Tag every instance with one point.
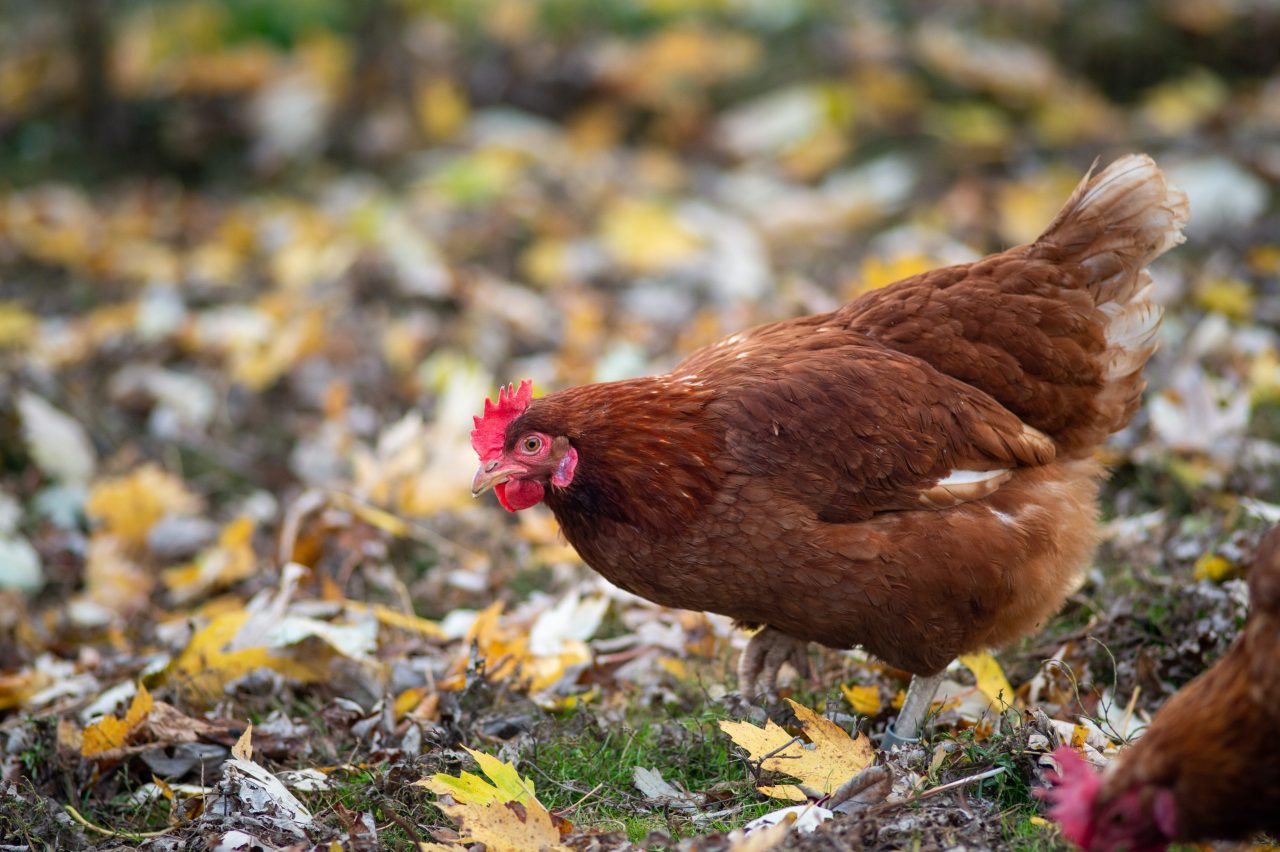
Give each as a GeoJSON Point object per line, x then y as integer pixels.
{"type": "Point", "coordinates": [766, 652]}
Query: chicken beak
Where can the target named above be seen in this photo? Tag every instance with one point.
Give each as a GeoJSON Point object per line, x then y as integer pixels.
{"type": "Point", "coordinates": [489, 475]}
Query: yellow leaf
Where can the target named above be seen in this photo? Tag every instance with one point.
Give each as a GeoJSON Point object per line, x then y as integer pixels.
{"type": "Point", "coordinates": [879, 272]}
{"type": "Point", "coordinates": [206, 665]}
{"type": "Point", "coordinates": [674, 666]}
{"type": "Point", "coordinates": [1230, 297]}
{"type": "Point", "coordinates": [1211, 566]}
{"type": "Point", "coordinates": [830, 760]}
{"type": "Point", "coordinates": [442, 109]}
{"type": "Point", "coordinates": [408, 700]}
{"type": "Point", "coordinates": [128, 506]}
{"type": "Point", "coordinates": [113, 580]}
{"type": "Point", "coordinates": [375, 517]}
{"type": "Point", "coordinates": [229, 561]}
{"type": "Point", "coordinates": [991, 680]}
{"type": "Point", "coordinates": [110, 732]}
{"type": "Point", "coordinates": [1264, 259]}
{"type": "Point", "coordinates": [1079, 736]}
{"type": "Point", "coordinates": [865, 700]}
{"type": "Point", "coordinates": [470, 789]}
{"type": "Point", "coordinates": [1264, 377]}
{"type": "Point", "coordinates": [974, 124]}
{"type": "Point", "coordinates": [16, 688]}
{"type": "Point", "coordinates": [391, 618]}
{"type": "Point", "coordinates": [1179, 106]}
{"type": "Point", "coordinates": [504, 815]}
{"type": "Point", "coordinates": [547, 262]}
{"type": "Point", "coordinates": [506, 826]}
{"type": "Point", "coordinates": [17, 326]}
{"type": "Point", "coordinates": [786, 792]}
{"type": "Point", "coordinates": [645, 237]}
{"type": "Point", "coordinates": [1025, 208]}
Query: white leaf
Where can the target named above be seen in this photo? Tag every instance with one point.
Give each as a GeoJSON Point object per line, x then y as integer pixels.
{"type": "Point", "coordinates": [20, 565]}
{"type": "Point", "coordinates": [57, 442]}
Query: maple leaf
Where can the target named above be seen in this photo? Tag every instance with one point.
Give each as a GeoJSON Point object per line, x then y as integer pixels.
{"type": "Point", "coordinates": [470, 789]}
{"type": "Point", "coordinates": [829, 759]}
{"type": "Point", "coordinates": [504, 815]}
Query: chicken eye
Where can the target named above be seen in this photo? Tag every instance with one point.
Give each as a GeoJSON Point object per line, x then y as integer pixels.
{"type": "Point", "coordinates": [532, 444]}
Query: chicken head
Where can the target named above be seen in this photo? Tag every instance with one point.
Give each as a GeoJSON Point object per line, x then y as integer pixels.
{"type": "Point", "coordinates": [518, 467]}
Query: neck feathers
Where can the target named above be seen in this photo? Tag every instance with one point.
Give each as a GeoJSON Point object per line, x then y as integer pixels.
{"type": "Point", "coordinates": [646, 450]}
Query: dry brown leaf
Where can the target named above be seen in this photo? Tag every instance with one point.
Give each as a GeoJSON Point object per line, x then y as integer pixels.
{"type": "Point", "coordinates": [243, 749]}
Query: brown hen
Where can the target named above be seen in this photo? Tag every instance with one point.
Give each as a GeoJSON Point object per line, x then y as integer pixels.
{"type": "Point", "coordinates": [911, 473]}
{"type": "Point", "coordinates": [1209, 766]}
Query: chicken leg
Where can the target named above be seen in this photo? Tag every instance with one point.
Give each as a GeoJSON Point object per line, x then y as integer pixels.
{"type": "Point", "coordinates": [906, 728]}
{"type": "Point", "coordinates": [764, 656]}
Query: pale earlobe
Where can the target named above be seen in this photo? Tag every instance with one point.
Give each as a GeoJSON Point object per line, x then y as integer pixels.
{"type": "Point", "coordinates": [564, 470]}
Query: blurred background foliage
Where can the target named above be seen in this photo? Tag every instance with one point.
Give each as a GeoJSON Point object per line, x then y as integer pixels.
{"type": "Point", "coordinates": [261, 261]}
{"type": "Point", "coordinates": [244, 238]}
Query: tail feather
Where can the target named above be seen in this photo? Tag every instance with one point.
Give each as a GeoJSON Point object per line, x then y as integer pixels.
{"type": "Point", "coordinates": [1112, 226]}
{"type": "Point", "coordinates": [1016, 325]}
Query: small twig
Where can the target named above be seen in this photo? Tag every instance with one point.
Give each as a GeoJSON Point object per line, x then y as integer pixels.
{"type": "Point", "coordinates": [1128, 712]}
{"type": "Point", "coordinates": [576, 790]}
{"type": "Point", "coordinates": [405, 826]}
{"type": "Point", "coordinates": [942, 788]}
{"type": "Point", "coordinates": [782, 747]}
{"type": "Point", "coordinates": [562, 811]}
{"type": "Point", "coordinates": [132, 835]}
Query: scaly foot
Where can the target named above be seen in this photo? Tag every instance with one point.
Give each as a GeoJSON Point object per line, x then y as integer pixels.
{"type": "Point", "coordinates": [764, 656]}
{"type": "Point", "coordinates": [906, 729]}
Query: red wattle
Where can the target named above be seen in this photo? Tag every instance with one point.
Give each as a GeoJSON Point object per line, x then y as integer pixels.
{"type": "Point", "coordinates": [517, 494]}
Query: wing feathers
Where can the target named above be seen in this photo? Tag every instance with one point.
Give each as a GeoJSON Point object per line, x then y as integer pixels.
{"type": "Point", "coordinates": [961, 486]}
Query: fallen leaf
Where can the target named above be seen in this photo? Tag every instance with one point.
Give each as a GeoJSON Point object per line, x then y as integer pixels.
{"type": "Point", "coordinates": [57, 442]}
{"type": "Point", "coordinates": [504, 815]}
{"type": "Point", "coordinates": [128, 506]}
{"type": "Point", "coordinates": [991, 680]}
{"type": "Point", "coordinates": [243, 749]}
{"type": "Point", "coordinates": [1211, 566]}
{"type": "Point", "coordinates": [865, 700]}
{"type": "Point", "coordinates": [111, 732]}
{"type": "Point", "coordinates": [830, 758]}
{"type": "Point", "coordinates": [209, 661]}
{"type": "Point", "coordinates": [230, 560]}
{"type": "Point", "coordinates": [470, 789]}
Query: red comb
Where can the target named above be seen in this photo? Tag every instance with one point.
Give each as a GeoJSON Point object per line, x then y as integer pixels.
{"type": "Point", "coordinates": [491, 427]}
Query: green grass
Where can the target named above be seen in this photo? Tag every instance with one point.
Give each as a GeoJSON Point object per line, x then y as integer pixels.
{"type": "Point", "coordinates": [1013, 791]}
{"type": "Point", "coordinates": [583, 770]}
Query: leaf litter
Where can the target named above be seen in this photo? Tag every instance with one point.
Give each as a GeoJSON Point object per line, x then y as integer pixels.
{"type": "Point", "coordinates": [236, 387]}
